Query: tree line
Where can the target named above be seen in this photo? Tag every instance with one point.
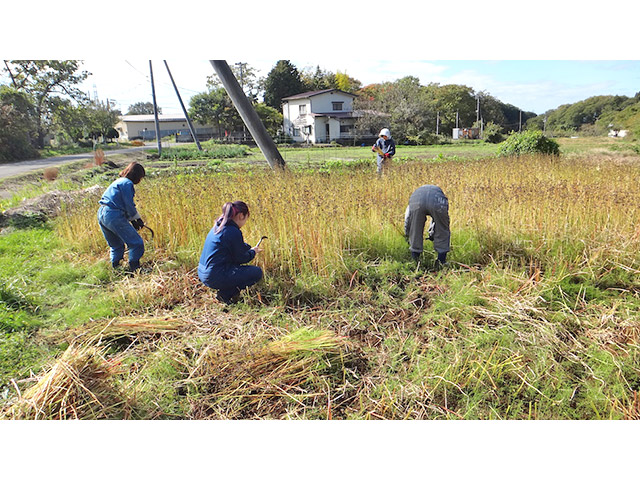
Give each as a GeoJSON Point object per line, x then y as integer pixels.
{"type": "Point", "coordinates": [41, 100]}
{"type": "Point", "coordinates": [593, 116]}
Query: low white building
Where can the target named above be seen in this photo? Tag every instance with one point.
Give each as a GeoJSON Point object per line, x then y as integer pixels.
{"type": "Point", "coordinates": [131, 127]}
{"type": "Point", "coordinates": [618, 133]}
{"type": "Point", "coordinates": [321, 116]}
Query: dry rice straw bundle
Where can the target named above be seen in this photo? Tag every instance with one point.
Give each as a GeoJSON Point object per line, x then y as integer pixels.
{"type": "Point", "coordinates": [259, 379]}
{"type": "Point", "coordinates": [77, 386]}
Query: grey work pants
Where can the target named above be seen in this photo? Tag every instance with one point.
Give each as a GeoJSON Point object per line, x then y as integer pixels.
{"type": "Point", "coordinates": [428, 200]}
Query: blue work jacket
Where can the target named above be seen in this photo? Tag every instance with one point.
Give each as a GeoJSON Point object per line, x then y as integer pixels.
{"type": "Point", "coordinates": [119, 196]}
{"type": "Point", "coordinates": [223, 251]}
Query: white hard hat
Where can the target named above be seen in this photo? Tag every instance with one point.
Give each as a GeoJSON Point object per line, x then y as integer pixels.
{"type": "Point", "coordinates": [385, 132]}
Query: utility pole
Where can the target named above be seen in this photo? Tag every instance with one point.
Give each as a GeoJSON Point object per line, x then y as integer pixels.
{"type": "Point", "coordinates": [520, 123]}
{"type": "Point", "coordinates": [155, 111]}
{"type": "Point", "coordinates": [437, 123]}
{"type": "Point", "coordinates": [478, 109]}
{"type": "Point", "coordinates": [457, 118]}
{"type": "Point", "coordinates": [247, 112]}
{"type": "Point", "coordinates": [544, 125]}
{"type": "Point", "coordinates": [184, 110]}
{"type": "Point", "coordinates": [244, 128]}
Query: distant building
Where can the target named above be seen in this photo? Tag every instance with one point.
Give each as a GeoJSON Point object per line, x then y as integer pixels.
{"type": "Point", "coordinates": [467, 133]}
{"type": "Point", "coordinates": [132, 127]}
{"type": "Point", "coordinates": [321, 116]}
{"type": "Point", "coordinates": [618, 133]}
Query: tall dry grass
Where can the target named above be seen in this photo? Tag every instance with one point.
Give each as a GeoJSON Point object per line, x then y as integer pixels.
{"type": "Point", "coordinates": [555, 213]}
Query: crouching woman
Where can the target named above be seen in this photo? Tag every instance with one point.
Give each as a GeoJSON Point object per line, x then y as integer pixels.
{"type": "Point", "coordinates": [224, 253]}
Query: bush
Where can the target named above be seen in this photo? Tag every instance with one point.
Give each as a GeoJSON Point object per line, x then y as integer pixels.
{"type": "Point", "coordinates": [492, 133]}
{"type": "Point", "coordinates": [528, 142]}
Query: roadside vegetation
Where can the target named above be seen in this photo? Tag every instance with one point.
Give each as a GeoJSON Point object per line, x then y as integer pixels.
{"type": "Point", "coordinates": [535, 317]}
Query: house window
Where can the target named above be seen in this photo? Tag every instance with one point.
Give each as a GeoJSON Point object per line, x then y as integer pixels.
{"type": "Point", "coordinates": [296, 132]}
{"type": "Point", "coordinates": [337, 105]}
{"type": "Point", "coordinates": [345, 128]}
{"type": "Point", "coordinates": [303, 109]}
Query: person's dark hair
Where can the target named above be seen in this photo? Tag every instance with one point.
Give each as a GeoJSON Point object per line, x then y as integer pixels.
{"type": "Point", "coordinates": [230, 210]}
{"type": "Point", "coordinates": [134, 172]}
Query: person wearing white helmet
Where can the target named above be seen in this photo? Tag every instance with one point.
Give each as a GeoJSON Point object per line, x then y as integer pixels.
{"type": "Point", "coordinates": [385, 147]}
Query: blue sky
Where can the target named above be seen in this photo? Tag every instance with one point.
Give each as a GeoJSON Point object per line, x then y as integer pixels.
{"type": "Point", "coordinates": [533, 56]}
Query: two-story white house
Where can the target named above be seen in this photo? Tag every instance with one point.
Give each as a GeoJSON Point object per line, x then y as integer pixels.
{"type": "Point", "coordinates": [321, 116]}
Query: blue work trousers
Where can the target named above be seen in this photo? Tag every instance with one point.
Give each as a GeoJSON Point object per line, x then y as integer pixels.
{"type": "Point", "coordinates": [232, 280]}
{"type": "Point", "coordinates": [117, 232]}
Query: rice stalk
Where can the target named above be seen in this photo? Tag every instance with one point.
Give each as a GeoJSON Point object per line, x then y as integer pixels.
{"type": "Point", "coordinates": [76, 386]}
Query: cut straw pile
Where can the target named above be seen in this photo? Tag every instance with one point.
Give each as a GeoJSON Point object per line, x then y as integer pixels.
{"type": "Point", "coordinates": [278, 379]}
{"type": "Point", "coordinates": [77, 386]}
{"type": "Point", "coordinates": [131, 327]}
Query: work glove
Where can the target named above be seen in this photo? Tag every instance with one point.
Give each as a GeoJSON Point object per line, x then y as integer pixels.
{"type": "Point", "coordinates": [137, 223]}
{"type": "Point", "coordinates": [386, 155]}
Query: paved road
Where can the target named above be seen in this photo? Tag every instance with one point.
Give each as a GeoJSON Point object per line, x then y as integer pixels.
{"type": "Point", "coordinates": [17, 168]}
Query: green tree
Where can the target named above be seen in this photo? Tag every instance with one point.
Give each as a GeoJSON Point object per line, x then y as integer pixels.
{"type": "Point", "coordinates": [452, 102]}
{"type": "Point", "coordinates": [271, 118]}
{"type": "Point", "coordinates": [17, 126]}
{"type": "Point", "coordinates": [142, 108]}
{"type": "Point", "coordinates": [318, 79]}
{"type": "Point", "coordinates": [70, 121]}
{"type": "Point", "coordinates": [43, 81]}
{"type": "Point", "coordinates": [247, 77]}
{"type": "Point", "coordinates": [101, 120]}
{"type": "Point", "coordinates": [282, 81]}
{"type": "Point", "coordinates": [215, 108]}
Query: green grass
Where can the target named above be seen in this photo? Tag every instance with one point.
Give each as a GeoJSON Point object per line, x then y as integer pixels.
{"type": "Point", "coordinates": [535, 318]}
{"type": "Point", "coordinates": [44, 290]}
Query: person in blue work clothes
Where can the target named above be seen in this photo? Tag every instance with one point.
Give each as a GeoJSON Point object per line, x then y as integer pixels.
{"type": "Point", "coordinates": [428, 200]}
{"type": "Point", "coordinates": [224, 253]}
{"type": "Point", "coordinates": [119, 219]}
{"type": "Point", "coordinates": [385, 147]}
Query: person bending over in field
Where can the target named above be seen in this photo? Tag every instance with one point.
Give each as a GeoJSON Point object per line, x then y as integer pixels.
{"type": "Point", "coordinates": [224, 252]}
{"type": "Point", "coordinates": [118, 218]}
{"type": "Point", "coordinates": [385, 147]}
{"type": "Point", "coordinates": [428, 200]}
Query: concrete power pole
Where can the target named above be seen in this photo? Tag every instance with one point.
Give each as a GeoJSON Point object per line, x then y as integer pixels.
{"type": "Point", "coordinates": [247, 112]}
{"type": "Point", "coordinates": [520, 122]}
{"type": "Point", "coordinates": [184, 110]}
{"type": "Point", "coordinates": [155, 111]}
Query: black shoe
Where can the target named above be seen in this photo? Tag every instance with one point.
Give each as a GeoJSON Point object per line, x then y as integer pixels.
{"type": "Point", "coordinates": [415, 256]}
{"type": "Point", "coordinates": [438, 265]}
{"type": "Point", "coordinates": [133, 266]}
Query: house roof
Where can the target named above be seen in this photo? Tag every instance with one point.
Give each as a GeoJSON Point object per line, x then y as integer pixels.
{"type": "Point", "coordinates": [317, 92]}
{"type": "Point", "coordinates": [151, 118]}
